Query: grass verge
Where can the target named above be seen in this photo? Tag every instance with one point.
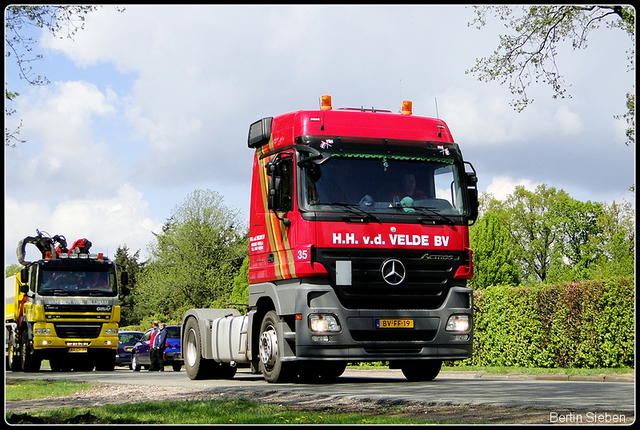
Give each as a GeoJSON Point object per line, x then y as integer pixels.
{"type": "Point", "coordinates": [25, 389]}
{"type": "Point", "coordinates": [205, 412]}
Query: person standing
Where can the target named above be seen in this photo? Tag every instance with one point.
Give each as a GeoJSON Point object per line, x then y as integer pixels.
{"type": "Point", "coordinates": [153, 361]}
{"type": "Point", "coordinates": [159, 344]}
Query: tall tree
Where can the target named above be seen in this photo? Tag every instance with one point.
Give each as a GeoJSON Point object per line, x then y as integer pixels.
{"type": "Point", "coordinates": [493, 260]}
{"type": "Point", "coordinates": [194, 259]}
{"type": "Point", "coordinates": [578, 223]}
{"type": "Point", "coordinates": [532, 220]}
{"type": "Point", "coordinates": [617, 241]}
{"type": "Point", "coordinates": [529, 54]}
{"type": "Point", "coordinates": [129, 264]}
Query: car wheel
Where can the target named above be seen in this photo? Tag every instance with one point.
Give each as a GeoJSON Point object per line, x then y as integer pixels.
{"type": "Point", "coordinates": [135, 366]}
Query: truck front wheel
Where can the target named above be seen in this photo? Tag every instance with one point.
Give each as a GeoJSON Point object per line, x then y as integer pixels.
{"type": "Point", "coordinates": [271, 365]}
{"type": "Point", "coordinates": [30, 362]}
{"type": "Point", "coordinates": [421, 370]}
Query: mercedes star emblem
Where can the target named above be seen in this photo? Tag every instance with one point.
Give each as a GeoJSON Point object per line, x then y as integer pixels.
{"type": "Point", "coordinates": [393, 271]}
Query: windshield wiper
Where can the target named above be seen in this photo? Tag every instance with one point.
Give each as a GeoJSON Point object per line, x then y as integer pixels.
{"type": "Point", "coordinates": [356, 209]}
{"type": "Point", "coordinates": [431, 211]}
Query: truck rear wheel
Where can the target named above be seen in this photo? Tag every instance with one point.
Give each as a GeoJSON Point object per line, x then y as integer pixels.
{"type": "Point", "coordinates": [421, 370]}
{"type": "Point", "coordinates": [271, 365]}
{"type": "Point", "coordinates": [196, 366]}
{"type": "Point", "coordinates": [14, 361]}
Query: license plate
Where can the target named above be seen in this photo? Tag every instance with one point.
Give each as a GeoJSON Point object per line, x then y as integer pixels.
{"type": "Point", "coordinates": [77, 349]}
{"type": "Point", "coordinates": [394, 323]}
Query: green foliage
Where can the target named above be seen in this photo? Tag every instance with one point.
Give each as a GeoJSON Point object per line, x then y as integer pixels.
{"type": "Point", "coordinates": [546, 236]}
{"type": "Point", "coordinates": [493, 260]}
{"type": "Point", "coordinates": [581, 325]}
{"type": "Point", "coordinates": [130, 265]}
{"type": "Point", "coordinates": [12, 269]}
{"type": "Point", "coordinates": [240, 292]}
{"type": "Point", "coordinates": [195, 259]}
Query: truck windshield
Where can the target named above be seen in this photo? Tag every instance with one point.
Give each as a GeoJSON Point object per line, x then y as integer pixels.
{"type": "Point", "coordinates": [383, 185]}
{"type": "Point", "coordinates": [76, 283]}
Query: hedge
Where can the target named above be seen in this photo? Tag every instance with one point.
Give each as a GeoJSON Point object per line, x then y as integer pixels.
{"type": "Point", "coordinates": [587, 324]}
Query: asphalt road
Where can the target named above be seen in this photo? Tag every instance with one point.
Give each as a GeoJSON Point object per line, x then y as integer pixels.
{"type": "Point", "coordinates": [449, 388]}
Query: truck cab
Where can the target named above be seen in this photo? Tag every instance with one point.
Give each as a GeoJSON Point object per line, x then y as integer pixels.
{"type": "Point", "coordinates": [358, 243]}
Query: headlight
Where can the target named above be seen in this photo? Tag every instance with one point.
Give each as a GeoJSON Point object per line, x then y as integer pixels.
{"type": "Point", "coordinates": [459, 323]}
{"type": "Point", "coordinates": [42, 331]}
{"type": "Point", "coordinates": [111, 331]}
{"type": "Point", "coordinates": [322, 323]}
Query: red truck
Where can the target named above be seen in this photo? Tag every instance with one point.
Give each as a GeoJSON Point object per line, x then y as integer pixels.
{"type": "Point", "coordinates": [359, 250]}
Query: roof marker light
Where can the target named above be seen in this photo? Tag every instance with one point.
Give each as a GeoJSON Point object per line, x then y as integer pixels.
{"type": "Point", "coordinates": [325, 103]}
{"type": "Point", "coordinates": [407, 107]}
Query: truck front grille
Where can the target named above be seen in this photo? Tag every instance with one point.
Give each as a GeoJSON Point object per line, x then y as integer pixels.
{"type": "Point", "coordinates": [78, 331]}
{"type": "Point", "coordinates": [429, 277]}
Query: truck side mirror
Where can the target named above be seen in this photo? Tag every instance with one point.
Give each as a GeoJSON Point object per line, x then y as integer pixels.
{"type": "Point", "coordinates": [24, 278]}
{"type": "Point", "coordinates": [124, 278]}
{"type": "Point", "coordinates": [472, 192]}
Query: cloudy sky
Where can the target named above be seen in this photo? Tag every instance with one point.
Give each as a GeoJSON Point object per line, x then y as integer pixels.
{"type": "Point", "coordinates": [148, 105]}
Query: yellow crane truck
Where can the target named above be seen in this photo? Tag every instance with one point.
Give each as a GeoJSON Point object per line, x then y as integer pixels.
{"type": "Point", "coordinates": [62, 308]}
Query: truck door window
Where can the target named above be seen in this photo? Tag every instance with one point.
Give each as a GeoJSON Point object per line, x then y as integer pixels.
{"type": "Point", "coordinates": [287, 184]}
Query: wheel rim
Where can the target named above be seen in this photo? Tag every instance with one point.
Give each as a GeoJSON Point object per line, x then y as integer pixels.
{"type": "Point", "coordinates": [269, 346]}
{"type": "Point", "coordinates": [191, 350]}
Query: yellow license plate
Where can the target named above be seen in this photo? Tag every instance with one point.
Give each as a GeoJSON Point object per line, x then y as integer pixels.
{"type": "Point", "coordinates": [77, 349]}
{"type": "Point", "coordinates": [394, 323]}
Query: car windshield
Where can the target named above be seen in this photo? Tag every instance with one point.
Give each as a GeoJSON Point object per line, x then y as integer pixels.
{"type": "Point", "coordinates": [130, 338]}
{"type": "Point", "coordinates": [173, 332]}
{"type": "Point", "coordinates": [383, 185]}
{"type": "Point", "coordinates": [77, 283]}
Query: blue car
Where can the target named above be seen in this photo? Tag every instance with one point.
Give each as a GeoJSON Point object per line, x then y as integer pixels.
{"type": "Point", "coordinates": [140, 357]}
{"type": "Point", "coordinates": [126, 341]}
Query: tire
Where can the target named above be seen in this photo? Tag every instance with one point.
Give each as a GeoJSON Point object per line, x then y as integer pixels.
{"type": "Point", "coordinates": [226, 371]}
{"type": "Point", "coordinates": [332, 370]}
{"type": "Point", "coordinates": [176, 367]}
{"type": "Point", "coordinates": [106, 362]}
{"type": "Point", "coordinates": [271, 366]}
{"type": "Point", "coordinates": [30, 362]}
{"type": "Point", "coordinates": [14, 361]}
{"type": "Point", "coordinates": [320, 371]}
{"type": "Point", "coordinates": [135, 366]}
{"type": "Point", "coordinates": [419, 371]}
{"type": "Point", "coordinates": [196, 366]}
{"type": "Point", "coordinates": [56, 364]}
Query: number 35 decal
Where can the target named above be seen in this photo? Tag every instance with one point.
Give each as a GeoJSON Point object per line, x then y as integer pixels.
{"type": "Point", "coordinates": [303, 255]}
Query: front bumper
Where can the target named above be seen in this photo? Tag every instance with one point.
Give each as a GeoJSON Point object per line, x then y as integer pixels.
{"type": "Point", "coordinates": [362, 338]}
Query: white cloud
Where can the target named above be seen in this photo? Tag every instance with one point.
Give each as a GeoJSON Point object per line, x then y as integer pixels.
{"type": "Point", "coordinates": [60, 118]}
{"type": "Point", "coordinates": [568, 122]}
{"type": "Point", "coordinates": [502, 186]}
{"type": "Point", "coordinates": [108, 222]}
